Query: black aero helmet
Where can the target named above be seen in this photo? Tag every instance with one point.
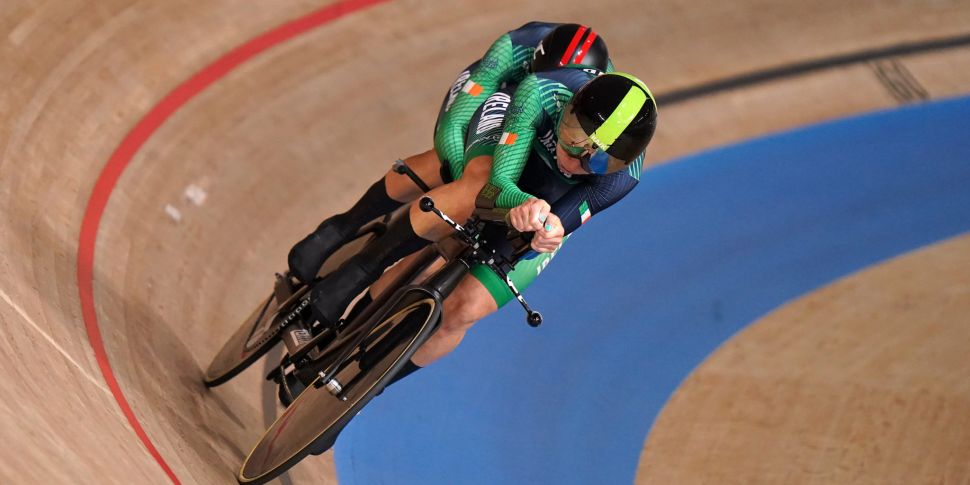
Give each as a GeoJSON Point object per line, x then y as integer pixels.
{"type": "Point", "coordinates": [608, 122]}
{"type": "Point", "coordinates": [570, 44]}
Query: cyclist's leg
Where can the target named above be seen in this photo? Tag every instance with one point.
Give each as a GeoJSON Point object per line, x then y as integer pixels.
{"type": "Point", "coordinates": [478, 295]}
{"type": "Point", "coordinates": [392, 191]}
{"type": "Point", "coordinates": [456, 199]}
{"type": "Point", "coordinates": [385, 280]}
{"type": "Point", "coordinates": [386, 195]}
{"type": "Point", "coordinates": [406, 235]}
{"type": "Point", "coordinates": [425, 165]}
{"type": "Point", "coordinates": [391, 274]}
{"type": "Point", "coordinates": [466, 305]}
{"type": "Point", "coordinates": [472, 299]}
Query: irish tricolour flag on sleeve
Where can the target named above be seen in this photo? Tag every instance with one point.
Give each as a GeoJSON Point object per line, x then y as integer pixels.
{"type": "Point", "coordinates": [584, 213]}
{"type": "Point", "coordinates": [472, 88]}
{"type": "Point", "coordinates": [507, 138]}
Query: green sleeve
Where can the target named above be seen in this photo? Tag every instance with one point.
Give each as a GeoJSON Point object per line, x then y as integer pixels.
{"type": "Point", "coordinates": [512, 152]}
{"type": "Point", "coordinates": [496, 66]}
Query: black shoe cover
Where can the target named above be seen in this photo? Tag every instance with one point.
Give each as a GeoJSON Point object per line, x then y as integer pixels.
{"type": "Point", "coordinates": [307, 256]}
{"type": "Point", "coordinates": [331, 295]}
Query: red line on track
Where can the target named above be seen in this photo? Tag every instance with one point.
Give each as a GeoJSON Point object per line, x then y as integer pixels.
{"type": "Point", "coordinates": [130, 145]}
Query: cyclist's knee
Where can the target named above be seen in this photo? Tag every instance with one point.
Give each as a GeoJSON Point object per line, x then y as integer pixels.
{"type": "Point", "coordinates": [478, 169]}
{"type": "Point", "coordinates": [460, 316]}
{"type": "Point", "coordinates": [425, 165]}
{"type": "Point", "coordinates": [469, 303]}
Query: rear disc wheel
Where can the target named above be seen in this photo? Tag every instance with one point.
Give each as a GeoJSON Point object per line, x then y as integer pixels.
{"type": "Point", "coordinates": [317, 415]}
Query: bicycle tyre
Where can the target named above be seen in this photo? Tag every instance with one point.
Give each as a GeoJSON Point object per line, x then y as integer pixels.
{"type": "Point", "coordinates": [317, 409]}
{"type": "Point", "coordinates": [241, 350]}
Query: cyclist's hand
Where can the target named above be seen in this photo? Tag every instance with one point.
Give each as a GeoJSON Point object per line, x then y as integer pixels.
{"type": "Point", "coordinates": [550, 236]}
{"type": "Point", "coordinates": [529, 215]}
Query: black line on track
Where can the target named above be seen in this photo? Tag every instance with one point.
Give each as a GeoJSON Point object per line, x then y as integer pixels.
{"type": "Point", "coordinates": [799, 68]}
{"type": "Point", "coordinates": [899, 81]}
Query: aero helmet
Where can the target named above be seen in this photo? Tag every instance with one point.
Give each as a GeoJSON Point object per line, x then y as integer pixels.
{"type": "Point", "coordinates": [608, 123]}
{"type": "Point", "coordinates": [570, 44]}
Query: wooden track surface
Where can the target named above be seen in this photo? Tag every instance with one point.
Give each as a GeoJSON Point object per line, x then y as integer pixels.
{"type": "Point", "coordinates": [864, 381]}
{"type": "Point", "coordinates": [288, 138]}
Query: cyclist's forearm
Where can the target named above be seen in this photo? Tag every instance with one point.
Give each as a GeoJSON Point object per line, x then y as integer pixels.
{"type": "Point", "coordinates": [586, 200]}
{"type": "Point", "coordinates": [515, 145]}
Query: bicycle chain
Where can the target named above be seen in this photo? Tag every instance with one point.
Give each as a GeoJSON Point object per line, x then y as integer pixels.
{"type": "Point", "coordinates": [267, 336]}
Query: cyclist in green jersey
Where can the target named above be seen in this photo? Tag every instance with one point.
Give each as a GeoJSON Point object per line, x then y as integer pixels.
{"type": "Point", "coordinates": [506, 63]}
{"type": "Point", "coordinates": [571, 145]}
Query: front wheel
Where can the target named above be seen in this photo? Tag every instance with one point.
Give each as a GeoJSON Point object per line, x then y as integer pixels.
{"type": "Point", "coordinates": [320, 412]}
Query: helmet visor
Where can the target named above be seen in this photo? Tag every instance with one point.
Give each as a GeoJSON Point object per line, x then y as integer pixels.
{"type": "Point", "coordinates": [577, 144]}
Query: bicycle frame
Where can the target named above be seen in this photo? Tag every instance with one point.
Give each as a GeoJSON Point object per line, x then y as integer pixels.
{"type": "Point", "coordinates": [461, 256]}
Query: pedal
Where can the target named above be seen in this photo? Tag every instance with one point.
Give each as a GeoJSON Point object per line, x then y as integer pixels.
{"type": "Point", "coordinates": [289, 389]}
{"type": "Point", "coordinates": [275, 375]}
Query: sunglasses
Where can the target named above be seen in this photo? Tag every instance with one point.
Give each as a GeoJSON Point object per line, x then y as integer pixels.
{"type": "Point", "coordinates": [592, 159]}
{"type": "Point", "coordinates": [577, 144]}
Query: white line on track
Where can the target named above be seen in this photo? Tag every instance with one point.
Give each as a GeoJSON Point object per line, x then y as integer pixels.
{"type": "Point", "coordinates": [60, 349]}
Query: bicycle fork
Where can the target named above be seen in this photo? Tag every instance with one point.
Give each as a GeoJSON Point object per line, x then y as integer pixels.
{"type": "Point", "coordinates": [438, 287]}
